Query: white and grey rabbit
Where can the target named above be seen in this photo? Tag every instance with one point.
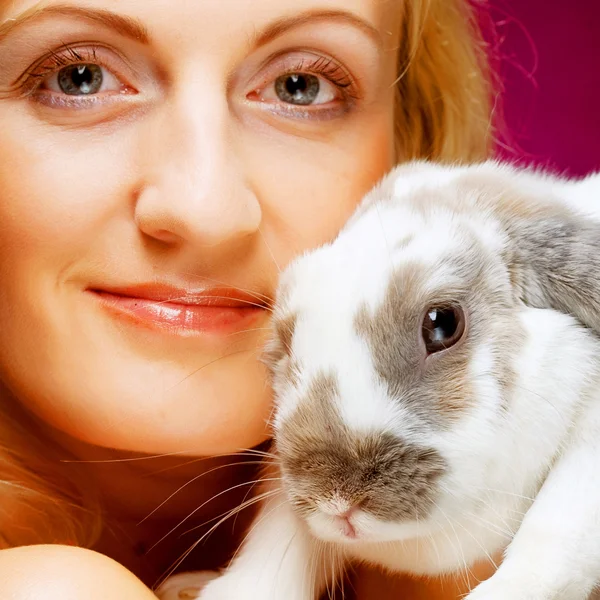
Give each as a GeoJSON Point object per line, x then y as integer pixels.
{"type": "Point", "coordinates": [437, 378]}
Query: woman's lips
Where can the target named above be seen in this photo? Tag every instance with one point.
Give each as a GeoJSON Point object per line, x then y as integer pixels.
{"type": "Point", "coordinates": [182, 312]}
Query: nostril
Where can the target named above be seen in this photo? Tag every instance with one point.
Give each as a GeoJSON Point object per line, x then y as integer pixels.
{"type": "Point", "coordinates": [347, 514]}
{"type": "Point", "coordinates": [165, 236]}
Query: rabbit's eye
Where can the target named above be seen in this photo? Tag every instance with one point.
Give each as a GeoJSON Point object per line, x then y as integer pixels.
{"type": "Point", "coordinates": [443, 326]}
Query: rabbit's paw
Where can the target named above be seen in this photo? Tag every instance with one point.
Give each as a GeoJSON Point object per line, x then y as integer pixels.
{"type": "Point", "coordinates": [525, 588]}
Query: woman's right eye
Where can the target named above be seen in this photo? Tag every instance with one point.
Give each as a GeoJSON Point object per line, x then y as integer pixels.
{"type": "Point", "coordinates": [82, 80]}
{"type": "Point", "coordinates": [76, 78]}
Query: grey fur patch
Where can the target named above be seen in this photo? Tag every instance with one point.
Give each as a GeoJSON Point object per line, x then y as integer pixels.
{"type": "Point", "coordinates": [279, 348]}
{"type": "Point", "coordinates": [559, 265]}
{"type": "Point", "coordinates": [284, 329]}
{"type": "Point", "coordinates": [554, 253]}
{"type": "Point", "coordinates": [404, 242]}
{"type": "Point", "coordinates": [323, 460]}
{"type": "Point", "coordinates": [440, 388]}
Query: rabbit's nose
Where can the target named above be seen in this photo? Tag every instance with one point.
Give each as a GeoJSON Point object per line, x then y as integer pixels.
{"type": "Point", "coordinates": [345, 523]}
{"type": "Point", "coordinates": [343, 514]}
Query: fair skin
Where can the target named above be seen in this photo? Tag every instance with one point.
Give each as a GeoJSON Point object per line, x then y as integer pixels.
{"type": "Point", "coordinates": [182, 160]}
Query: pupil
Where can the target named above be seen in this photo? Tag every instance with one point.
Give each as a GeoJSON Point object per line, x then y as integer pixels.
{"type": "Point", "coordinates": [296, 84]}
{"type": "Point", "coordinates": [82, 76]}
{"type": "Point", "coordinates": [444, 323]}
{"type": "Point", "coordinates": [79, 80]}
{"type": "Point", "coordinates": [297, 88]}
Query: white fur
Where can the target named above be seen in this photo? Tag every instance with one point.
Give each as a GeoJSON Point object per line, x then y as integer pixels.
{"type": "Point", "coordinates": [528, 480]}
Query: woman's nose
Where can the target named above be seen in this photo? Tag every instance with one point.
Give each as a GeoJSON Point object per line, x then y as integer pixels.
{"type": "Point", "coordinates": [193, 188]}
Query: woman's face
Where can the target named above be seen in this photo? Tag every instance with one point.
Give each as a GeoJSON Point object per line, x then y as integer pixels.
{"type": "Point", "coordinates": [160, 162]}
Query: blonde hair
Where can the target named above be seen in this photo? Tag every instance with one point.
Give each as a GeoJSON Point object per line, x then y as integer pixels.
{"type": "Point", "coordinates": [44, 500]}
{"type": "Point", "coordinates": [445, 88]}
{"type": "Point", "coordinates": [443, 112]}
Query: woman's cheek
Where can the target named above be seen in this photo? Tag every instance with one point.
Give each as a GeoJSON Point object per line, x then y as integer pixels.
{"type": "Point", "coordinates": [58, 187]}
{"type": "Point", "coordinates": [309, 189]}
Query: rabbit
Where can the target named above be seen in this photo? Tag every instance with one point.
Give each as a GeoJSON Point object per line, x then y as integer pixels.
{"type": "Point", "coordinates": [436, 370]}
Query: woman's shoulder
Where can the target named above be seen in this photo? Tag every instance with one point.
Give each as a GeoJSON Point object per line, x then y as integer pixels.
{"type": "Point", "coordinates": [65, 573]}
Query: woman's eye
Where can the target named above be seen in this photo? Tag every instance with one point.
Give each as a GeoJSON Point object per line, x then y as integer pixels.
{"type": "Point", "coordinates": [304, 89]}
{"type": "Point", "coordinates": [300, 89]}
{"type": "Point", "coordinates": [82, 80]}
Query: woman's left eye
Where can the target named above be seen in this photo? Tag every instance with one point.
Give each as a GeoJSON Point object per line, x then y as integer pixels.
{"type": "Point", "coordinates": [300, 89]}
{"type": "Point", "coordinates": [85, 79]}
{"type": "Point", "coordinates": [311, 84]}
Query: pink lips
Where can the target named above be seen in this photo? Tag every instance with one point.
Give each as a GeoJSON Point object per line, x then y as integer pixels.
{"type": "Point", "coordinates": [215, 311]}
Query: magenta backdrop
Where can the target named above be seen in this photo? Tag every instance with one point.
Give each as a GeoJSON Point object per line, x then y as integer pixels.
{"type": "Point", "coordinates": [550, 53]}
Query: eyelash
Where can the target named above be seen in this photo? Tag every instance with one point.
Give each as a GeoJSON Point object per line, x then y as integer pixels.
{"type": "Point", "coordinates": [54, 61]}
{"type": "Point", "coordinates": [327, 68]}
{"type": "Point", "coordinates": [59, 61]}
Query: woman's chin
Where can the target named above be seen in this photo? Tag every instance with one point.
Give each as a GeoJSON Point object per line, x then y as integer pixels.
{"type": "Point", "coordinates": [112, 395]}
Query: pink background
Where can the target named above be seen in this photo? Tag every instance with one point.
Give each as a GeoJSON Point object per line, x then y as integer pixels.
{"type": "Point", "coordinates": [550, 68]}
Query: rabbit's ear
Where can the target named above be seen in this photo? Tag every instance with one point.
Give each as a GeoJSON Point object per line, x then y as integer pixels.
{"type": "Point", "coordinates": [555, 261]}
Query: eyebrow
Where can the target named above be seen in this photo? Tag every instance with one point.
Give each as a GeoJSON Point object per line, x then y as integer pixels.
{"type": "Point", "coordinates": [133, 29]}
{"type": "Point", "coordinates": [285, 24]}
{"type": "Point", "coordinates": [125, 26]}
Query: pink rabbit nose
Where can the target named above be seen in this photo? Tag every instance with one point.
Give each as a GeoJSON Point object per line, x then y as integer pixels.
{"type": "Point", "coordinates": [344, 520]}
{"type": "Point", "coordinates": [343, 513]}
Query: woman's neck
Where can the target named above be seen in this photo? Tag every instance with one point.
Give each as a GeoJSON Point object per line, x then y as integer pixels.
{"type": "Point", "coordinates": [173, 516]}
{"type": "Point", "coordinates": [157, 508]}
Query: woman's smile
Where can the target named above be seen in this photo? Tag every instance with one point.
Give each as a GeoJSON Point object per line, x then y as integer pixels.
{"type": "Point", "coordinates": [185, 312]}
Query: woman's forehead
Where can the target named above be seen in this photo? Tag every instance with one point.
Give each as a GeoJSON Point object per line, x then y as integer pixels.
{"type": "Point", "coordinates": [251, 18]}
